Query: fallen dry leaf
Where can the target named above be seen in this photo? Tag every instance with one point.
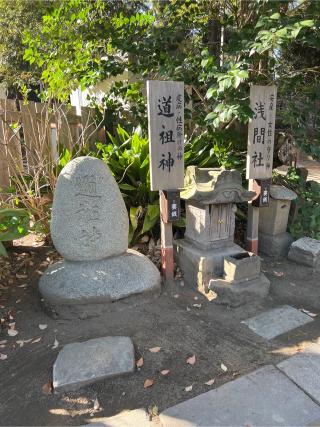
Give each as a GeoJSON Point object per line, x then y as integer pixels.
{"type": "Point", "coordinates": [196, 305]}
{"type": "Point", "coordinates": [309, 313]}
{"type": "Point", "coordinates": [188, 388]}
{"type": "Point", "coordinates": [3, 356]}
{"type": "Point", "coordinates": [210, 382]}
{"type": "Point", "coordinates": [18, 300]}
{"type": "Point", "coordinates": [223, 367]}
{"type": "Point", "coordinates": [96, 404]}
{"type": "Point", "coordinates": [148, 383]}
{"type": "Point", "coordinates": [21, 276]}
{"type": "Point", "coordinates": [155, 349]}
{"type": "Point", "coordinates": [139, 362]}
{"type": "Point", "coordinates": [36, 340]}
{"type": "Point", "coordinates": [23, 286]}
{"type": "Point", "coordinates": [3, 342]}
{"type": "Point", "coordinates": [165, 372]}
{"type": "Point", "coordinates": [43, 326]}
{"type": "Point", "coordinates": [22, 342]}
{"type": "Point", "coordinates": [55, 344]}
{"type": "Point", "coordinates": [278, 273]}
{"type": "Point", "coordinates": [12, 332]}
{"type": "Point", "coordinates": [191, 360]}
{"type": "Point", "coordinates": [47, 388]}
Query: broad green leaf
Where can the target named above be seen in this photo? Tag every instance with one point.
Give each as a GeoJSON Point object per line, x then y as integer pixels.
{"type": "Point", "coordinates": [3, 251]}
{"type": "Point", "coordinates": [307, 23]}
{"type": "Point", "coordinates": [127, 187]}
{"type": "Point", "coordinates": [152, 216]}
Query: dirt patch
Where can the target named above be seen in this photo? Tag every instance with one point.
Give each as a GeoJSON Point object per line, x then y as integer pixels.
{"type": "Point", "coordinates": [181, 321]}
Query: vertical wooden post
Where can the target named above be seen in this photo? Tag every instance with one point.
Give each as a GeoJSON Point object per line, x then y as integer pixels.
{"type": "Point", "coordinates": [253, 221]}
{"type": "Point", "coordinates": [167, 263]}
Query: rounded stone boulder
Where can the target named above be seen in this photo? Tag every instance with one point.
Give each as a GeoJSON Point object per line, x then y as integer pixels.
{"type": "Point", "coordinates": [89, 217]}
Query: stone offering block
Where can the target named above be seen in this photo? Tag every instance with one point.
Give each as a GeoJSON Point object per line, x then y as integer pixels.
{"type": "Point", "coordinates": [89, 217]}
{"type": "Point", "coordinates": [306, 251]}
{"type": "Point", "coordinates": [304, 370]}
{"type": "Point", "coordinates": [79, 364]}
{"type": "Point", "coordinates": [277, 321]}
{"type": "Point", "coordinates": [265, 397]}
{"type": "Point", "coordinates": [241, 267]}
{"type": "Point", "coordinates": [110, 279]}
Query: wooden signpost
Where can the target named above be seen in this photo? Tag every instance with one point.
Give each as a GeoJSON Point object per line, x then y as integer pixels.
{"type": "Point", "coordinates": [263, 100]}
{"type": "Point", "coordinates": [166, 145]}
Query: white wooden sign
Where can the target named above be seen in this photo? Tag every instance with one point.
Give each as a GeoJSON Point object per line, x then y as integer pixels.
{"type": "Point", "coordinates": [263, 100]}
{"type": "Point", "coordinates": [166, 134]}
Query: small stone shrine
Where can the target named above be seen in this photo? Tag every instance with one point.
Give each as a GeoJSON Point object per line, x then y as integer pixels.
{"type": "Point", "coordinates": [273, 221]}
{"type": "Point", "coordinates": [89, 228]}
{"type": "Point", "coordinates": [207, 254]}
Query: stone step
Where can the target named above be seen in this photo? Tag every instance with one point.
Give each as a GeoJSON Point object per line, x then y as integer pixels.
{"type": "Point", "coordinates": [277, 321]}
{"type": "Point", "coordinates": [265, 397]}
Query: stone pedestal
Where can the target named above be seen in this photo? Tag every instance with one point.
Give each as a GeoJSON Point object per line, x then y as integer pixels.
{"type": "Point", "coordinates": [208, 246]}
{"type": "Point", "coordinates": [273, 221]}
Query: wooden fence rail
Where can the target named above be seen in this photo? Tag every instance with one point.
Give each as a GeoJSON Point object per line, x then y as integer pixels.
{"type": "Point", "coordinates": [31, 133]}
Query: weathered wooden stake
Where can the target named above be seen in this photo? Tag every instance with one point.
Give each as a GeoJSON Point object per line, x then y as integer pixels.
{"type": "Point", "coordinates": [167, 264]}
{"type": "Point", "coordinates": [253, 220]}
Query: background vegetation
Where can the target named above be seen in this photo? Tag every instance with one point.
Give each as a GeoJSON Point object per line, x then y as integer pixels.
{"type": "Point", "coordinates": [218, 48]}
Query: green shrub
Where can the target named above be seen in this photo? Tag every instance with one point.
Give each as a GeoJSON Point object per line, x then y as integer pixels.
{"type": "Point", "coordinates": [14, 223]}
{"type": "Point", "coordinates": [127, 155]}
{"type": "Point", "coordinates": [306, 221]}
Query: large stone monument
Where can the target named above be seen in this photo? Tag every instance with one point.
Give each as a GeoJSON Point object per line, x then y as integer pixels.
{"type": "Point", "coordinates": [208, 256]}
{"type": "Point", "coordinates": [89, 229]}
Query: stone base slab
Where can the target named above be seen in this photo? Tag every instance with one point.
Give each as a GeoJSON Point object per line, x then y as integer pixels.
{"type": "Point", "coordinates": [239, 293]}
{"type": "Point", "coordinates": [75, 283]}
{"type": "Point", "coordinates": [199, 265]}
{"type": "Point", "coordinates": [275, 245]}
{"type": "Point", "coordinates": [82, 363]}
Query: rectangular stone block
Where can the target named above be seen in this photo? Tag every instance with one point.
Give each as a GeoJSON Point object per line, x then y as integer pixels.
{"type": "Point", "coordinates": [274, 219]}
{"type": "Point", "coordinates": [200, 265]}
{"type": "Point", "coordinates": [277, 321]}
{"type": "Point", "coordinates": [275, 245]}
{"type": "Point", "coordinates": [241, 267]}
{"type": "Point", "coordinates": [79, 364]}
{"type": "Point", "coordinates": [265, 397]}
{"type": "Point", "coordinates": [306, 251]}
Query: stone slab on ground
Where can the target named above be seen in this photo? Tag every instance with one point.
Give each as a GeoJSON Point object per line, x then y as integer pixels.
{"type": "Point", "coordinates": [235, 294]}
{"type": "Point", "coordinates": [83, 363]}
{"type": "Point", "coordinates": [135, 418]}
{"type": "Point", "coordinates": [306, 251]}
{"type": "Point", "coordinates": [277, 321]}
{"type": "Point", "coordinates": [304, 370]}
{"type": "Point", "coordinates": [264, 397]}
{"type": "Point", "coordinates": [110, 279]}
